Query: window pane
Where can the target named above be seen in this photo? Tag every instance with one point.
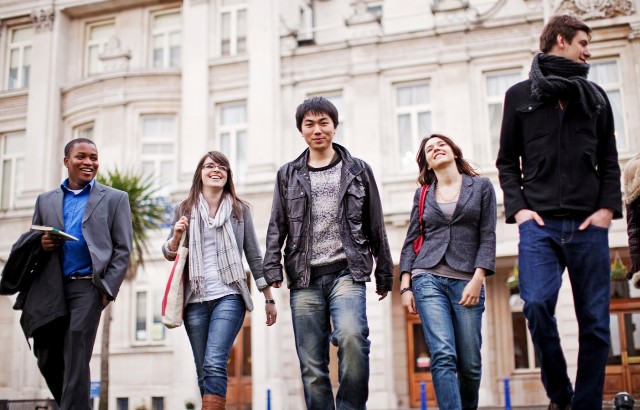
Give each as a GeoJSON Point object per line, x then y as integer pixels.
{"type": "Point", "coordinates": [225, 143]}
{"type": "Point", "coordinates": [498, 84]}
{"type": "Point", "coordinates": [22, 34]}
{"type": "Point", "coordinates": [141, 316]}
{"type": "Point", "coordinates": [19, 178]}
{"type": "Point", "coordinates": [149, 170]}
{"type": "Point", "coordinates": [405, 140]}
{"type": "Point", "coordinates": [26, 66]}
{"type": "Point", "coordinates": [424, 124]}
{"type": "Point", "coordinates": [604, 73]}
{"type": "Point", "coordinates": [225, 33]}
{"type": "Point", "coordinates": [495, 124]}
{"type": "Point", "coordinates": [157, 403]}
{"type": "Point", "coordinates": [158, 48]}
{"type": "Point", "coordinates": [101, 32]}
{"type": "Point", "coordinates": [233, 114]}
{"type": "Point", "coordinates": [158, 127]}
{"type": "Point", "coordinates": [14, 63]}
{"type": "Point", "coordinates": [94, 60]}
{"type": "Point", "coordinates": [6, 185]}
{"type": "Point", "coordinates": [157, 331]}
{"type": "Point", "coordinates": [241, 154]}
{"type": "Point", "coordinates": [520, 346]}
{"type": "Point", "coordinates": [14, 143]}
{"type": "Point", "coordinates": [166, 173]}
{"type": "Point", "coordinates": [122, 403]}
{"type": "Point", "coordinates": [404, 96]}
{"type": "Point", "coordinates": [167, 20]}
{"type": "Point", "coordinates": [632, 326]}
{"type": "Point", "coordinates": [615, 348]}
{"type": "Point", "coordinates": [174, 49]}
{"type": "Point", "coordinates": [241, 45]}
{"type": "Point", "coordinates": [421, 94]}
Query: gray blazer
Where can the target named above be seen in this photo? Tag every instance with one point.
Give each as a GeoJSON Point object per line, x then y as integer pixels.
{"type": "Point", "coordinates": [466, 242]}
{"type": "Point", "coordinates": [106, 226]}
{"type": "Point", "coordinates": [247, 241]}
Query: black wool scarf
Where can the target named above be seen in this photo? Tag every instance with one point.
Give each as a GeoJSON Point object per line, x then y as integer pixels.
{"type": "Point", "coordinates": [554, 77]}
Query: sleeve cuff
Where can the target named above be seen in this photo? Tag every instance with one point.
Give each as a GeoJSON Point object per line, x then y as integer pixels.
{"type": "Point", "coordinates": [261, 283]}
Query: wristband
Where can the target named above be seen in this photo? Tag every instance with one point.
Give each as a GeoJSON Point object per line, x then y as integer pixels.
{"type": "Point", "coordinates": [405, 290]}
{"type": "Point", "coordinates": [270, 301]}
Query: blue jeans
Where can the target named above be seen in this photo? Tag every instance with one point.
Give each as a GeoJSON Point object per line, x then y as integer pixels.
{"type": "Point", "coordinates": [544, 253]}
{"type": "Point", "coordinates": [337, 299]}
{"type": "Point", "coordinates": [212, 327]}
{"type": "Point", "coordinates": [453, 335]}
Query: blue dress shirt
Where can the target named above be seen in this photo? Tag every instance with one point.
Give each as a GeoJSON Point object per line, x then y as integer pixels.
{"type": "Point", "coordinates": [76, 258]}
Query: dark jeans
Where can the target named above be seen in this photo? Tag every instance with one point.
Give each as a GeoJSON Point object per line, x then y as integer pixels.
{"type": "Point", "coordinates": [544, 253]}
{"type": "Point", "coordinates": [64, 347]}
{"type": "Point", "coordinates": [332, 299]}
{"type": "Point", "coordinates": [212, 327]}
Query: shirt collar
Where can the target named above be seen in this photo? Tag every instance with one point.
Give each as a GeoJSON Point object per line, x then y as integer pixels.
{"type": "Point", "coordinates": [87, 188]}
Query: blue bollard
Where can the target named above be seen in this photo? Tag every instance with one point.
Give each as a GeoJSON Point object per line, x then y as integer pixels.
{"type": "Point", "coordinates": [268, 399]}
{"type": "Point", "coordinates": [423, 396]}
{"type": "Point", "coordinates": [507, 394]}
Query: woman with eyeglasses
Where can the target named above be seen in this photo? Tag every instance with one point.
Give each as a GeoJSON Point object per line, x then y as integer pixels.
{"type": "Point", "coordinates": [218, 228]}
{"type": "Point", "coordinates": [443, 282]}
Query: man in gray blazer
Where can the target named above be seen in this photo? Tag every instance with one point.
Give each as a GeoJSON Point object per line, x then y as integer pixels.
{"type": "Point", "coordinates": [62, 308]}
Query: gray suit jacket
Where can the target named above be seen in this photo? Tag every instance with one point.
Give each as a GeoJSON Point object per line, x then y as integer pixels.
{"type": "Point", "coordinates": [106, 226]}
{"type": "Point", "coordinates": [466, 242]}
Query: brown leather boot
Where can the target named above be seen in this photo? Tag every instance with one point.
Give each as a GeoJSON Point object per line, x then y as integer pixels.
{"type": "Point", "coordinates": [212, 402]}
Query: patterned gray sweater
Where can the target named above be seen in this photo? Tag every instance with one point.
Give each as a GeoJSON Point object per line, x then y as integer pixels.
{"type": "Point", "coordinates": [326, 245]}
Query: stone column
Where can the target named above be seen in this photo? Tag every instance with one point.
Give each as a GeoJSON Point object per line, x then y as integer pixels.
{"type": "Point", "coordinates": [43, 131]}
{"type": "Point", "coordinates": [194, 129]}
{"type": "Point", "coordinates": [263, 101]}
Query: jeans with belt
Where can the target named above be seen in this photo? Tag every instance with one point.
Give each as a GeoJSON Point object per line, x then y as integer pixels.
{"type": "Point", "coordinates": [332, 299]}
{"type": "Point", "coordinates": [453, 334]}
{"type": "Point", "coordinates": [212, 327]}
{"type": "Point", "coordinates": [544, 253]}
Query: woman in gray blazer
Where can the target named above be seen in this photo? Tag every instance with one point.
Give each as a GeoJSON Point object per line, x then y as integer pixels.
{"type": "Point", "coordinates": [443, 283]}
{"type": "Point", "coordinates": [218, 228]}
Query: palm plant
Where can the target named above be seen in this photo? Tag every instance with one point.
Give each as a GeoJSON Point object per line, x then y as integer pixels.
{"type": "Point", "coordinates": [146, 214]}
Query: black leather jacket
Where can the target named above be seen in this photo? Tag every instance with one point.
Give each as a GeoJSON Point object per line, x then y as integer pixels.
{"type": "Point", "coordinates": [361, 224]}
{"type": "Point", "coordinates": [557, 160]}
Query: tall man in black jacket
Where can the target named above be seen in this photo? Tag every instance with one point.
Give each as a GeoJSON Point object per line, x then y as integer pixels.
{"type": "Point", "coordinates": [327, 207]}
{"type": "Point", "coordinates": [559, 171]}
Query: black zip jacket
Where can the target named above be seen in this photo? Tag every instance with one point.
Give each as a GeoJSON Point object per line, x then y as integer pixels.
{"type": "Point", "coordinates": [569, 160]}
{"type": "Point", "coordinates": [362, 230]}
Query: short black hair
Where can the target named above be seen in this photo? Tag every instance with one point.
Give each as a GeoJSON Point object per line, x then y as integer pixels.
{"type": "Point", "coordinates": [316, 105]}
{"type": "Point", "coordinates": [73, 143]}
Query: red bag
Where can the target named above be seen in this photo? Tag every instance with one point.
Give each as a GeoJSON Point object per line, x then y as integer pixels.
{"type": "Point", "coordinates": [417, 243]}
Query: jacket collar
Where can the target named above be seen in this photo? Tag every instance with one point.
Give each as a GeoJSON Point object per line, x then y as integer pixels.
{"type": "Point", "coordinates": [466, 189]}
{"type": "Point", "coordinates": [348, 162]}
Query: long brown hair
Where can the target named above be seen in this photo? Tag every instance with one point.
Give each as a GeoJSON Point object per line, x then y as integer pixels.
{"type": "Point", "coordinates": [428, 176]}
{"type": "Point", "coordinates": [185, 207]}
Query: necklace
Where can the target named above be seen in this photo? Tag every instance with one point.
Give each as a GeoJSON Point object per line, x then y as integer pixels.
{"type": "Point", "coordinates": [448, 194]}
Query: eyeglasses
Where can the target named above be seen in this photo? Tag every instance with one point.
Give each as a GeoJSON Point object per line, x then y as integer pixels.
{"type": "Point", "coordinates": [209, 166]}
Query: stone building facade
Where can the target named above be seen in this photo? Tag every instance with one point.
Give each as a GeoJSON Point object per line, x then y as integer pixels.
{"type": "Point", "coordinates": [156, 83]}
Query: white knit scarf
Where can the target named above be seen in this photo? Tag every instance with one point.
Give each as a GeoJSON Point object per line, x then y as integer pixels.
{"type": "Point", "coordinates": [228, 256]}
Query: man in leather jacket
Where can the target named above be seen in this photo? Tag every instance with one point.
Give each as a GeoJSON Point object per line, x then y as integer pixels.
{"type": "Point", "coordinates": [327, 207]}
{"type": "Point", "coordinates": [558, 168]}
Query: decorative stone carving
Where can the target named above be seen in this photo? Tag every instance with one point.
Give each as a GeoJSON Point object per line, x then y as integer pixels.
{"type": "Point", "coordinates": [362, 23]}
{"type": "Point", "coordinates": [43, 19]}
{"type": "Point", "coordinates": [592, 9]}
{"type": "Point", "coordinates": [114, 57]}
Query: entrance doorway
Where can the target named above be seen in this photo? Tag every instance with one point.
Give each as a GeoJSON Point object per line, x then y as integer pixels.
{"type": "Point", "coordinates": [239, 370]}
{"type": "Point", "coordinates": [623, 365]}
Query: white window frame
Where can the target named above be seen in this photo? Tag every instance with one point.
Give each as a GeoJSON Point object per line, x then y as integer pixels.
{"type": "Point", "coordinates": [86, 130]}
{"type": "Point", "coordinates": [233, 130]}
{"type": "Point", "coordinates": [99, 42]}
{"type": "Point", "coordinates": [306, 29]}
{"type": "Point", "coordinates": [166, 33]}
{"type": "Point", "coordinates": [616, 86]}
{"type": "Point", "coordinates": [163, 188]}
{"type": "Point", "coordinates": [153, 301]}
{"type": "Point", "coordinates": [233, 10]}
{"type": "Point", "coordinates": [15, 186]}
{"type": "Point", "coordinates": [20, 46]}
{"type": "Point", "coordinates": [413, 111]}
{"type": "Point", "coordinates": [483, 148]}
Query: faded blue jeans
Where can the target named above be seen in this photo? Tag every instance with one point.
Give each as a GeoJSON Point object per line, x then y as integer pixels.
{"type": "Point", "coordinates": [212, 327]}
{"type": "Point", "coordinates": [544, 252]}
{"type": "Point", "coordinates": [337, 299]}
{"type": "Point", "coordinates": [453, 334]}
